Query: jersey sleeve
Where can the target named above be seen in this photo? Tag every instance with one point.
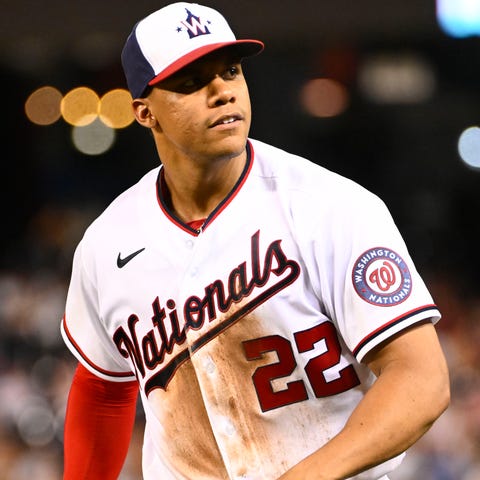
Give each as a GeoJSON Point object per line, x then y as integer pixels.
{"type": "Point", "coordinates": [375, 290]}
{"type": "Point", "coordinates": [82, 328]}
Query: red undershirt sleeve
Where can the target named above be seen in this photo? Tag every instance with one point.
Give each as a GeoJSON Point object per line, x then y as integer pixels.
{"type": "Point", "coordinates": [98, 426]}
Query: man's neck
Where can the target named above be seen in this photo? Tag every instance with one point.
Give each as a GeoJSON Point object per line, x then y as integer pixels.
{"type": "Point", "coordinates": [194, 190]}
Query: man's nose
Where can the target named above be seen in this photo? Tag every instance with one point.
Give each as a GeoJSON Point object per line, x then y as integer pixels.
{"type": "Point", "coordinates": [221, 91]}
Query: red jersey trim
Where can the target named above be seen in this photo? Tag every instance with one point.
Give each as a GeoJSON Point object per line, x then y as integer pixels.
{"type": "Point", "coordinates": [369, 338]}
{"type": "Point", "coordinates": [92, 365]}
{"type": "Point", "coordinates": [162, 196]}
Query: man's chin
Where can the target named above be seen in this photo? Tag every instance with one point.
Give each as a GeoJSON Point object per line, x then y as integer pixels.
{"type": "Point", "coordinates": [230, 148]}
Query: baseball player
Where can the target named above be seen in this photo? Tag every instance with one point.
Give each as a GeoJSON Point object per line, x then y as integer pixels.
{"type": "Point", "coordinates": [266, 310]}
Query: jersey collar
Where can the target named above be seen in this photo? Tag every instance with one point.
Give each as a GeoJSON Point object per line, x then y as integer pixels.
{"type": "Point", "coordinates": [163, 197]}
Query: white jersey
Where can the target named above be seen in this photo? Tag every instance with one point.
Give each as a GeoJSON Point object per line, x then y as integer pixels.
{"type": "Point", "coordinates": [246, 337]}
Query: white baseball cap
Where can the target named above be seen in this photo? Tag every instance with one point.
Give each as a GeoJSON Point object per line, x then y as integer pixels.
{"type": "Point", "coordinates": [171, 38]}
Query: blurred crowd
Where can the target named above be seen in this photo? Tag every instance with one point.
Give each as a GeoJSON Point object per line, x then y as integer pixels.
{"type": "Point", "coordinates": [36, 369]}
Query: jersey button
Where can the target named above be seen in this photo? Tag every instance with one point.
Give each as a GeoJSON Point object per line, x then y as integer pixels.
{"type": "Point", "coordinates": [229, 428]}
{"type": "Point", "coordinates": [209, 365]}
{"type": "Point", "coordinates": [189, 244]}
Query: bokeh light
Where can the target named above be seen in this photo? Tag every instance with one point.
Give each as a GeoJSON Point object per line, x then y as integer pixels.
{"type": "Point", "coordinates": [93, 139]}
{"type": "Point", "coordinates": [459, 18]}
{"type": "Point", "coordinates": [324, 97]}
{"type": "Point", "coordinates": [43, 106]}
{"type": "Point", "coordinates": [36, 423]}
{"type": "Point", "coordinates": [82, 107]}
{"type": "Point", "coordinates": [115, 108]}
{"type": "Point", "coordinates": [397, 78]}
{"type": "Point", "coordinates": [469, 146]}
{"type": "Point", "coordinates": [79, 107]}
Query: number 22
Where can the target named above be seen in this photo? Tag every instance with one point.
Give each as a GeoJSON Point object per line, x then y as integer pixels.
{"type": "Point", "coordinates": [296, 391]}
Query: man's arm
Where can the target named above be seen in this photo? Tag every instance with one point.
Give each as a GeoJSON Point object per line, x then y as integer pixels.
{"type": "Point", "coordinates": [411, 392]}
{"type": "Point", "coordinates": [98, 426]}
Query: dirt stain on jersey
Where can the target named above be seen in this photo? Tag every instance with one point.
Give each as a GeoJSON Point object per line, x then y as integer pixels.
{"type": "Point", "coordinates": [213, 392]}
{"type": "Point", "coordinates": [213, 423]}
{"type": "Point", "coordinates": [189, 443]}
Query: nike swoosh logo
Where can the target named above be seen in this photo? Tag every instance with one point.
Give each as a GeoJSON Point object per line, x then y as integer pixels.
{"type": "Point", "coordinates": [121, 262]}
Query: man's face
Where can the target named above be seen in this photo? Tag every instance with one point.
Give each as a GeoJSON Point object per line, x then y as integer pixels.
{"type": "Point", "coordinates": [203, 111]}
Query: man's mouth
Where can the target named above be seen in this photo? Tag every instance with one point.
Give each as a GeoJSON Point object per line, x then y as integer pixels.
{"type": "Point", "coordinates": [226, 119]}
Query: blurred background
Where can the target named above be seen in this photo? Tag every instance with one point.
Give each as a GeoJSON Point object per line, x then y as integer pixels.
{"type": "Point", "coordinates": [384, 92]}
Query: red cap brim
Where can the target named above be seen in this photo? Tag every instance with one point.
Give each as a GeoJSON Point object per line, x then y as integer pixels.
{"type": "Point", "coordinates": [245, 48]}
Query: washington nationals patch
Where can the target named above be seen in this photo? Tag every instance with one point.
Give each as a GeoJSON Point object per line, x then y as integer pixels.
{"type": "Point", "coordinates": [381, 277]}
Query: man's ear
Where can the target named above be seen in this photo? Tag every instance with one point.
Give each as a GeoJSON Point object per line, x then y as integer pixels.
{"type": "Point", "coordinates": [143, 115]}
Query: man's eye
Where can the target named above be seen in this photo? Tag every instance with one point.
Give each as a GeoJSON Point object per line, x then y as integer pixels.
{"type": "Point", "coordinates": [232, 72]}
{"type": "Point", "coordinates": [191, 82]}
